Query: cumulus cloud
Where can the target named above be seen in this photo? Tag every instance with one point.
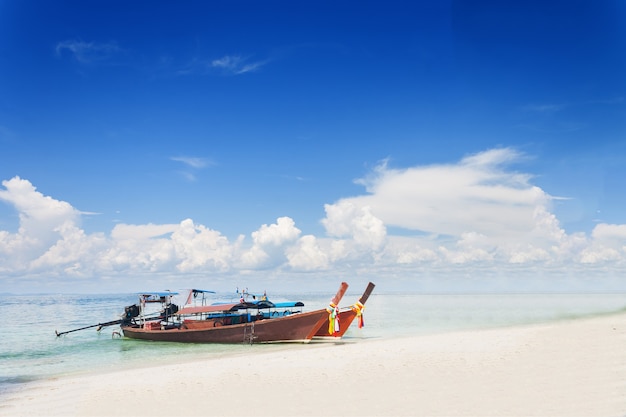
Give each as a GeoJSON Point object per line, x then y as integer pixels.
{"type": "Point", "coordinates": [307, 255]}
{"type": "Point", "coordinates": [475, 215]}
{"type": "Point", "coordinates": [476, 195]}
{"type": "Point", "coordinates": [615, 233]}
{"type": "Point", "coordinates": [284, 230]}
{"type": "Point", "coordinates": [608, 244]}
{"type": "Point", "coordinates": [42, 221]}
{"type": "Point", "coordinates": [476, 211]}
{"type": "Point", "coordinates": [197, 246]}
{"type": "Point", "coordinates": [142, 231]}
{"type": "Point", "coordinates": [346, 219]}
{"type": "Point", "coordinates": [269, 244]}
{"type": "Point", "coordinates": [73, 254]}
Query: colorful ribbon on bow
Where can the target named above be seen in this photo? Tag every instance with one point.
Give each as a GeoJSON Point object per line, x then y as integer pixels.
{"type": "Point", "coordinates": [358, 309]}
{"type": "Point", "coordinates": [333, 319]}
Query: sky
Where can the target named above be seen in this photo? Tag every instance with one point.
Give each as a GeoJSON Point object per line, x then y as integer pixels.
{"type": "Point", "coordinates": [427, 146]}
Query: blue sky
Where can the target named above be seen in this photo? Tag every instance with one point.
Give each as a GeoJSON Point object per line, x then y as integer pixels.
{"type": "Point", "coordinates": [433, 146]}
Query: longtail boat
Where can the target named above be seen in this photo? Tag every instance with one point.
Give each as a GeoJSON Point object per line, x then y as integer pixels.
{"type": "Point", "coordinates": [339, 320]}
{"type": "Point", "coordinates": [224, 323]}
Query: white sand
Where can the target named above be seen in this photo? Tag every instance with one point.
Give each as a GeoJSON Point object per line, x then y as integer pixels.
{"type": "Point", "coordinates": [573, 368]}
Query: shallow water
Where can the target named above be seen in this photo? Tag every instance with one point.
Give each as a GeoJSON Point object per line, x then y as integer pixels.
{"type": "Point", "coordinates": [30, 350]}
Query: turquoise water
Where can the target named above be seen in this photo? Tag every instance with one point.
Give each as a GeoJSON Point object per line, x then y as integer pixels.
{"type": "Point", "coordinates": [30, 350]}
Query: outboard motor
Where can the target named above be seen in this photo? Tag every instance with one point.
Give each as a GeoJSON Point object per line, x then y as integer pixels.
{"type": "Point", "coordinates": [130, 312]}
{"type": "Point", "coordinates": [170, 310]}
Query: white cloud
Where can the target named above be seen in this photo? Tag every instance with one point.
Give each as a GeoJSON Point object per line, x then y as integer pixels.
{"type": "Point", "coordinates": [42, 220]}
{"type": "Point", "coordinates": [346, 219]}
{"type": "Point", "coordinates": [411, 250]}
{"type": "Point", "coordinates": [143, 231]}
{"type": "Point", "coordinates": [88, 52]}
{"type": "Point", "coordinates": [196, 246]}
{"type": "Point", "coordinates": [602, 254]}
{"type": "Point", "coordinates": [284, 230]}
{"type": "Point", "coordinates": [607, 244]}
{"type": "Point", "coordinates": [236, 64]}
{"type": "Point", "coordinates": [73, 254]}
{"type": "Point", "coordinates": [269, 242]}
{"type": "Point", "coordinates": [470, 217]}
{"type": "Point", "coordinates": [306, 255]}
{"type": "Point", "coordinates": [193, 162]}
{"type": "Point", "coordinates": [610, 233]}
{"type": "Point", "coordinates": [476, 195]}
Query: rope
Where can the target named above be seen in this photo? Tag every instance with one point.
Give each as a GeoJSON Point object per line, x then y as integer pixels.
{"type": "Point", "coordinates": [358, 309]}
{"type": "Point", "coordinates": [333, 319]}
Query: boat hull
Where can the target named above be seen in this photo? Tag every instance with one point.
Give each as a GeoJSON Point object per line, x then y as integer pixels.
{"type": "Point", "coordinates": [346, 317]}
{"type": "Point", "coordinates": [300, 327]}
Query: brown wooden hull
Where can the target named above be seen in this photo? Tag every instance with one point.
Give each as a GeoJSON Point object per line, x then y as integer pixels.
{"type": "Point", "coordinates": [300, 327]}
{"type": "Point", "coordinates": [346, 317]}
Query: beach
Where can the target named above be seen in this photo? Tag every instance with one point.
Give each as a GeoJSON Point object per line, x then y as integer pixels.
{"type": "Point", "coordinates": [562, 368]}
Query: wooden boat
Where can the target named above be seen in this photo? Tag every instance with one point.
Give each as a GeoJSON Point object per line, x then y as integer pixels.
{"type": "Point", "coordinates": [224, 324]}
{"type": "Point", "coordinates": [346, 317]}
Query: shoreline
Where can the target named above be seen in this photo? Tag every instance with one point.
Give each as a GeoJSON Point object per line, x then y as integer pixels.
{"type": "Point", "coordinates": [566, 368]}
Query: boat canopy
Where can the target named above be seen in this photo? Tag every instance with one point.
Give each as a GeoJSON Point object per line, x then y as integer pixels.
{"type": "Point", "coordinates": [219, 307]}
{"type": "Point", "coordinates": [268, 304]}
{"type": "Point", "coordinates": [156, 297]}
{"type": "Point", "coordinates": [260, 304]}
{"type": "Point", "coordinates": [289, 304]}
{"type": "Point", "coordinates": [156, 294]}
{"type": "Point", "coordinates": [207, 309]}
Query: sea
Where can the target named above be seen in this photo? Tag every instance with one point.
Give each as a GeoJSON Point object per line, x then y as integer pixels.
{"type": "Point", "coordinates": [30, 349]}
